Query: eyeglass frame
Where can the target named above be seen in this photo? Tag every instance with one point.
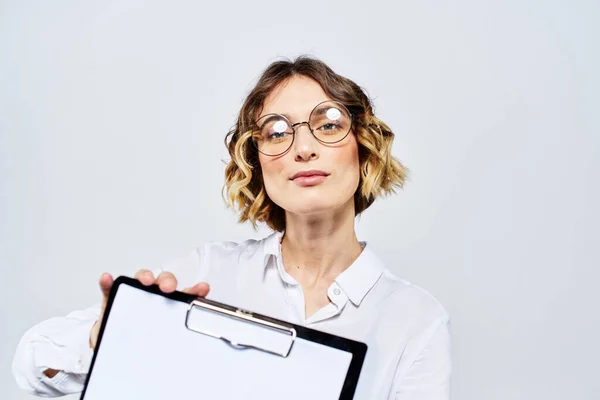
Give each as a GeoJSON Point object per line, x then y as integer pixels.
{"type": "Point", "coordinates": [293, 126]}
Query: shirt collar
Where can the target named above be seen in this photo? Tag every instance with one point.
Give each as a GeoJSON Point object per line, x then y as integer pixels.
{"type": "Point", "coordinates": [356, 281]}
{"type": "Point", "coordinates": [272, 246]}
{"type": "Point", "coordinates": [360, 277]}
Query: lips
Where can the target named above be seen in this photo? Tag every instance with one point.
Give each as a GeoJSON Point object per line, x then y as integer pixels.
{"type": "Point", "coordinates": [309, 173]}
{"type": "Point", "coordinates": [309, 178]}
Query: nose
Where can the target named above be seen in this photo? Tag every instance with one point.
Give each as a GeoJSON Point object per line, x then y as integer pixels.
{"type": "Point", "coordinates": [305, 144]}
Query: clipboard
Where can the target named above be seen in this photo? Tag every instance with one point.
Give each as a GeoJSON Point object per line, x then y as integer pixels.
{"type": "Point", "coordinates": [154, 345]}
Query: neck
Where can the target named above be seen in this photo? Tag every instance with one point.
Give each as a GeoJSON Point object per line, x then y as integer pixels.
{"type": "Point", "coordinates": [318, 248]}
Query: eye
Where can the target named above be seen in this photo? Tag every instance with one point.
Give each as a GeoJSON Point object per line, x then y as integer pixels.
{"type": "Point", "coordinates": [275, 129]}
{"type": "Point", "coordinates": [278, 131]}
{"type": "Point", "coordinates": [329, 126]}
{"type": "Point", "coordinates": [276, 135]}
{"type": "Point", "coordinates": [280, 126]}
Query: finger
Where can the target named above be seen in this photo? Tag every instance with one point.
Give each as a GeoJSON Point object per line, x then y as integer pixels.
{"type": "Point", "coordinates": [145, 276]}
{"type": "Point", "coordinates": [106, 281]}
{"type": "Point", "coordinates": [167, 282]}
{"type": "Point", "coordinates": [200, 289]}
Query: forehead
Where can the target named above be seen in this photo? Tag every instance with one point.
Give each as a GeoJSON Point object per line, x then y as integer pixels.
{"type": "Point", "coordinates": [296, 97]}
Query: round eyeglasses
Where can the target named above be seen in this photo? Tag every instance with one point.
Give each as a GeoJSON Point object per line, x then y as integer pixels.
{"type": "Point", "coordinates": [329, 122]}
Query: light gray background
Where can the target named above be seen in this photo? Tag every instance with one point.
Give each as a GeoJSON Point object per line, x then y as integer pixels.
{"type": "Point", "coordinates": [113, 113]}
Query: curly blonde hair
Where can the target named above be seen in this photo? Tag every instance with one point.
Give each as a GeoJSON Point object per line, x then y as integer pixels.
{"type": "Point", "coordinates": [380, 172]}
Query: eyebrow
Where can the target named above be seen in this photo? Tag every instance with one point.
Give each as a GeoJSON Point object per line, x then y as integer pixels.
{"type": "Point", "coordinates": [320, 111]}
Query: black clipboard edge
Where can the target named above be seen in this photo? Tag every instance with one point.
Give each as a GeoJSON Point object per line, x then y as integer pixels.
{"type": "Point", "coordinates": [357, 349]}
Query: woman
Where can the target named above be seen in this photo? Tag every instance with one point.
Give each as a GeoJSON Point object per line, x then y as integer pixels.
{"type": "Point", "coordinates": [307, 157]}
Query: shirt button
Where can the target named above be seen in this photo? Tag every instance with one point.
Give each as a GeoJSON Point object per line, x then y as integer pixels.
{"type": "Point", "coordinates": [336, 291]}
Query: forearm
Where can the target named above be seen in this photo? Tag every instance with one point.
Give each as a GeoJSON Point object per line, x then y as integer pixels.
{"type": "Point", "coordinates": [53, 357]}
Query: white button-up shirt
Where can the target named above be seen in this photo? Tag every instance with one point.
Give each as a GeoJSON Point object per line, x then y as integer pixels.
{"type": "Point", "coordinates": [404, 327]}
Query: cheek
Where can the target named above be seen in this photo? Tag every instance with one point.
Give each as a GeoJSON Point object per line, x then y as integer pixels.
{"type": "Point", "coordinates": [348, 162]}
{"type": "Point", "coordinates": [272, 169]}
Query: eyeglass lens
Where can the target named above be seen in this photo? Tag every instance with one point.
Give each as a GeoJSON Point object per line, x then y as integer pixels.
{"type": "Point", "coordinates": [329, 122]}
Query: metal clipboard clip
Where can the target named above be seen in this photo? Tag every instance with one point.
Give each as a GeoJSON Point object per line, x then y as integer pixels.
{"type": "Point", "coordinates": [243, 316]}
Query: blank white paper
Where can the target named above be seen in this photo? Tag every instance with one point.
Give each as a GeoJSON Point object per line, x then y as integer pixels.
{"type": "Point", "coordinates": [146, 352]}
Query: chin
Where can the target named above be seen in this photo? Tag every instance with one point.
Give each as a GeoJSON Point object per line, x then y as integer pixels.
{"type": "Point", "coordinates": [307, 202]}
{"type": "Point", "coordinates": [310, 209]}
{"type": "Point", "coordinates": [309, 206]}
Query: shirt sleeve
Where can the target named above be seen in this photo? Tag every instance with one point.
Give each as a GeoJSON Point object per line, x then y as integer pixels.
{"type": "Point", "coordinates": [428, 377]}
{"type": "Point", "coordinates": [62, 343]}
{"type": "Point", "coordinates": [58, 343]}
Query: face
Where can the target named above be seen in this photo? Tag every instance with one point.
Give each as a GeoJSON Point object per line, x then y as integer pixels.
{"type": "Point", "coordinates": [331, 171]}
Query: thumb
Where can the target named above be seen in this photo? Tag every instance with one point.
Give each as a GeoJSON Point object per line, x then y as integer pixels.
{"type": "Point", "coordinates": [200, 289]}
{"type": "Point", "coordinates": [106, 281]}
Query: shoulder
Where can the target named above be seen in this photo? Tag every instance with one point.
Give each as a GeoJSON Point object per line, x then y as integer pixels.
{"type": "Point", "coordinates": [195, 265]}
{"type": "Point", "coordinates": [224, 250]}
{"type": "Point", "coordinates": [414, 293]}
{"type": "Point", "coordinates": [398, 295]}
{"type": "Point", "coordinates": [410, 302]}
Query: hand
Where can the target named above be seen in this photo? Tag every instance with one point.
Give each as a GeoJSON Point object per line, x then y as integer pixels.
{"type": "Point", "coordinates": [166, 281]}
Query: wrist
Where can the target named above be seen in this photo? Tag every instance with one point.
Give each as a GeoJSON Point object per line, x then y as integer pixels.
{"type": "Point", "coordinates": [93, 336]}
